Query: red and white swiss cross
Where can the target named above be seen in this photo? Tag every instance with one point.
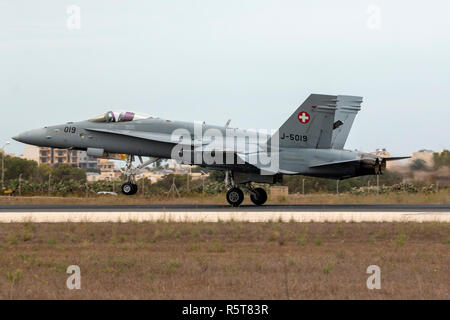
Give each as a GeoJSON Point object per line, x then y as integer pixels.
{"type": "Point", "coordinates": [304, 117]}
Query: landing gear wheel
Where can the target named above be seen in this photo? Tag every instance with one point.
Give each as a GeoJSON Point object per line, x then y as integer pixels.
{"type": "Point", "coordinates": [261, 197]}
{"type": "Point", "coordinates": [235, 196]}
{"type": "Point", "coordinates": [129, 188]}
{"type": "Point", "coordinates": [135, 188]}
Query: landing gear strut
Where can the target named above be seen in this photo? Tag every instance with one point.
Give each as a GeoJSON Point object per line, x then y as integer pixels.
{"type": "Point", "coordinates": [130, 187]}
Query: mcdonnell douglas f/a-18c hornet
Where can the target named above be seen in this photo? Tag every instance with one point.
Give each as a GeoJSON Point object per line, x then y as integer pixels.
{"type": "Point", "coordinates": [310, 142]}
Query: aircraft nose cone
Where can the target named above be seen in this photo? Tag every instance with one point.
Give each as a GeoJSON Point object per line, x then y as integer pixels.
{"type": "Point", "coordinates": [34, 137]}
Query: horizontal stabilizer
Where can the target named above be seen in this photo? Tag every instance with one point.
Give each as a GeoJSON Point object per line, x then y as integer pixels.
{"type": "Point", "coordinates": [335, 163]}
{"type": "Point", "coordinates": [396, 158]}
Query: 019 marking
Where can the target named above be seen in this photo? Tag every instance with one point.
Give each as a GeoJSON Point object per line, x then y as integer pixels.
{"type": "Point", "coordinates": [70, 129]}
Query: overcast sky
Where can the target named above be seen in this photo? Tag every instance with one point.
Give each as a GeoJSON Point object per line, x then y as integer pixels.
{"type": "Point", "coordinates": [251, 61]}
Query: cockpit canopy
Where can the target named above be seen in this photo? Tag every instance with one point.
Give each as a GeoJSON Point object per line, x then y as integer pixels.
{"type": "Point", "coordinates": [119, 116]}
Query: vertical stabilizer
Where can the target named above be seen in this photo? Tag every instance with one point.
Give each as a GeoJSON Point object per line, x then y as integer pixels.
{"type": "Point", "coordinates": [347, 109]}
{"type": "Point", "coordinates": [311, 125]}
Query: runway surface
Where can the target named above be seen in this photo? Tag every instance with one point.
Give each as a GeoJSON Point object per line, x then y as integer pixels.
{"type": "Point", "coordinates": [211, 207]}
{"type": "Point", "coordinates": [216, 213]}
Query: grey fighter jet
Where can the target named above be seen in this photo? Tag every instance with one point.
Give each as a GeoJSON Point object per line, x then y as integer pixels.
{"type": "Point", "coordinates": [310, 142]}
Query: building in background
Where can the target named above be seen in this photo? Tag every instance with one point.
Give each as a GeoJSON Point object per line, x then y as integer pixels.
{"type": "Point", "coordinates": [105, 165]}
{"type": "Point", "coordinates": [151, 176]}
{"type": "Point", "coordinates": [108, 171]}
{"type": "Point", "coordinates": [102, 176]}
{"type": "Point", "coordinates": [31, 153]}
{"type": "Point", "coordinates": [53, 157]}
{"type": "Point", "coordinates": [87, 162]}
{"type": "Point", "coordinates": [425, 155]}
{"type": "Point", "coordinates": [179, 168]}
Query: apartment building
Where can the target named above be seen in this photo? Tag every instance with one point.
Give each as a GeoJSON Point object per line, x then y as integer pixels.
{"type": "Point", "coordinates": [87, 162]}
{"type": "Point", "coordinates": [108, 171]}
{"type": "Point", "coordinates": [53, 157]}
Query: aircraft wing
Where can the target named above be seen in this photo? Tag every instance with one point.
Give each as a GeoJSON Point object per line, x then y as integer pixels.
{"type": "Point", "coordinates": [244, 153]}
{"type": "Point", "coordinates": [160, 137]}
{"type": "Point", "coordinates": [230, 144]}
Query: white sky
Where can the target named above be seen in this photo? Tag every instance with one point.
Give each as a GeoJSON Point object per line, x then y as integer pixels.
{"type": "Point", "coordinates": [251, 61]}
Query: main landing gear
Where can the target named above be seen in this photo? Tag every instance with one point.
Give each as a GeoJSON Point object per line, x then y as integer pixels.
{"type": "Point", "coordinates": [260, 198]}
{"type": "Point", "coordinates": [235, 196]}
{"type": "Point", "coordinates": [130, 187]}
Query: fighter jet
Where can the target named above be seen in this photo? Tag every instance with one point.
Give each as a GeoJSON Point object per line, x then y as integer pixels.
{"type": "Point", "coordinates": [310, 142]}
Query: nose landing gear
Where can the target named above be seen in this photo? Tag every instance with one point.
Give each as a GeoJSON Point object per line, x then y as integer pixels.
{"type": "Point", "coordinates": [130, 187]}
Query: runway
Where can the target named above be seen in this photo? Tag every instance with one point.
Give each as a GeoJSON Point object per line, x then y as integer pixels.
{"type": "Point", "coordinates": [217, 213]}
{"type": "Point", "coordinates": [212, 207]}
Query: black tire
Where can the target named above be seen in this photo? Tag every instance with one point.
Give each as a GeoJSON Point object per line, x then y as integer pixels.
{"type": "Point", "coordinates": [135, 188]}
{"type": "Point", "coordinates": [129, 188]}
{"type": "Point", "coordinates": [235, 196]}
{"type": "Point", "coordinates": [261, 197]}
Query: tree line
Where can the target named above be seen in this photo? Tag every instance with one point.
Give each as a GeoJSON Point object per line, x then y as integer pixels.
{"type": "Point", "coordinates": [26, 177]}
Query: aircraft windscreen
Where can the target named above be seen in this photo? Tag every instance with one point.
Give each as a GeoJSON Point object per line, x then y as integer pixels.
{"type": "Point", "coordinates": [119, 116]}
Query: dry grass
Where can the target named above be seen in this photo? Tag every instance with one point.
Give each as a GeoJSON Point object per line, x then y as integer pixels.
{"type": "Point", "coordinates": [441, 197]}
{"type": "Point", "coordinates": [229, 260]}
